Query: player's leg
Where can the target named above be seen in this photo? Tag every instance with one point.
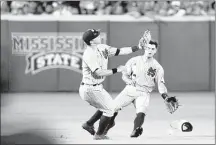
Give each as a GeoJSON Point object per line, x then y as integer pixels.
{"type": "Point", "coordinates": [111, 123]}
{"type": "Point", "coordinates": [138, 122]}
{"type": "Point", "coordinates": [108, 110]}
{"type": "Point", "coordinates": [99, 113]}
{"type": "Point", "coordinates": [95, 117]}
{"type": "Point", "coordinates": [122, 100]}
{"type": "Point", "coordinates": [100, 99]}
{"type": "Point", "coordinates": [83, 92]}
{"type": "Point", "coordinates": [141, 104]}
{"type": "Point", "coordinates": [104, 102]}
{"type": "Point", "coordinates": [89, 125]}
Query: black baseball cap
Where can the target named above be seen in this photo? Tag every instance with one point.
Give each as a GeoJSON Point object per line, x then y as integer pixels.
{"type": "Point", "coordinates": [89, 35]}
{"type": "Point", "coordinates": [186, 127]}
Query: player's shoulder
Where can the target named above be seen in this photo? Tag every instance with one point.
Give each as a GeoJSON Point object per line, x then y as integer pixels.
{"type": "Point", "coordinates": [134, 59]}
{"type": "Point", "coordinates": [88, 51]}
{"type": "Point", "coordinates": [103, 46]}
{"type": "Point", "coordinates": [157, 64]}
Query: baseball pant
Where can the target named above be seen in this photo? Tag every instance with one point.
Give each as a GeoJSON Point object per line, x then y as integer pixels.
{"type": "Point", "coordinates": [98, 97]}
{"type": "Point", "coordinates": [129, 95]}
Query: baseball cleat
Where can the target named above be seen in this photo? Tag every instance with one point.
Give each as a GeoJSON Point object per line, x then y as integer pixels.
{"type": "Point", "coordinates": [89, 128]}
{"type": "Point", "coordinates": [137, 132]}
{"type": "Point", "coordinates": [100, 137]}
{"type": "Point", "coordinates": [108, 128]}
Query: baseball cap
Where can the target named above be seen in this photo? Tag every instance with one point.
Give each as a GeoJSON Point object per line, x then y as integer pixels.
{"type": "Point", "coordinates": [186, 127]}
{"type": "Point", "coordinates": [89, 35]}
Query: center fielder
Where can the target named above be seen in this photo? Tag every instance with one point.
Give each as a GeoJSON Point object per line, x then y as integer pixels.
{"type": "Point", "coordinates": [95, 63]}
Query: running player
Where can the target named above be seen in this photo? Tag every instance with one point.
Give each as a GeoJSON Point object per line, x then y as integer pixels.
{"type": "Point", "coordinates": [143, 72]}
{"type": "Point", "coordinates": [94, 69]}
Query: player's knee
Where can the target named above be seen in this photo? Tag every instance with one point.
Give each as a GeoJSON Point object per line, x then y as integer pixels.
{"type": "Point", "coordinates": [141, 110]}
{"type": "Point", "coordinates": [109, 110]}
{"type": "Point", "coordinates": [141, 114]}
{"type": "Point", "coordinates": [108, 113]}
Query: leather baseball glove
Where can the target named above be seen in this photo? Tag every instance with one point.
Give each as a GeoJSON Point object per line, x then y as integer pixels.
{"type": "Point", "coordinates": [171, 103]}
{"type": "Point", "coordinates": [145, 39]}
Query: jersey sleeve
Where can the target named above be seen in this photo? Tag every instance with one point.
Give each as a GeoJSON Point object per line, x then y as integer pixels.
{"type": "Point", "coordinates": [160, 75]}
{"type": "Point", "coordinates": [126, 75]}
{"type": "Point", "coordinates": [160, 81]}
{"type": "Point", "coordinates": [128, 65]}
{"type": "Point", "coordinates": [90, 59]}
{"type": "Point", "coordinates": [112, 51]}
{"type": "Point", "coordinates": [109, 50]}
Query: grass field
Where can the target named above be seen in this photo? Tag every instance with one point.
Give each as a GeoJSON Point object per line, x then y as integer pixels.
{"type": "Point", "coordinates": [59, 116]}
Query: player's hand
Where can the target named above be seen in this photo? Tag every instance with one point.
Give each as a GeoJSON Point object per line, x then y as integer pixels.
{"type": "Point", "coordinates": [145, 39]}
{"type": "Point", "coordinates": [122, 68]}
{"type": "Point", "coordinates": [133, 83]}
{"type": "Point", "coordinates": [171, 103]}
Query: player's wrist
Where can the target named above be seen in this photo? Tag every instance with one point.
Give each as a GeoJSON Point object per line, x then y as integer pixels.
{"type": "Point", "coordinates": [164, 95]}
{"type": "Point", "coordinates": [114, 70]}
{"type": "Point", "coordinates": [117, 52]}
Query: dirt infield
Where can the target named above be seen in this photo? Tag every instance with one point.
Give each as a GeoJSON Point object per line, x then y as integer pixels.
{"type": "Point", "coordinates": [59, 117]}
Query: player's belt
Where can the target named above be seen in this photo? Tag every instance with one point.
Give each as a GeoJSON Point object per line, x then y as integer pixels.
{"type": "Point", "coordinates": [90, 84]}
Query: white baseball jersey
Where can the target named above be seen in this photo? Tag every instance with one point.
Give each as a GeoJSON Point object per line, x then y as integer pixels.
{"type": "Point", "coordinates": [96, 96]}
{"type": "Point", "coordinates": [145, 72]}
{"type": "Point", "coordinates": [94, 59]}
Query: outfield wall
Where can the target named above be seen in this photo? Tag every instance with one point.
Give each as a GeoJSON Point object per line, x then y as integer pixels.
{"type": "Point", "coordinates": [186, 50]}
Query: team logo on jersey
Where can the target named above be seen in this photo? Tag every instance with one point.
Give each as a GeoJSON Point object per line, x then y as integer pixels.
{"type": "Point", "coordinates": [45, 51]}
{"type": "Point", "coordinates": [151, 72]}
{"type": "Point", "coordinates": [105, 53]}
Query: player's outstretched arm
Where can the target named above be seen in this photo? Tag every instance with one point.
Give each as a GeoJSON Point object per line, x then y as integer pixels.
{"type": "Point", "coordinates": [128, 50]}
{"type": "Point", "coordinates": [108, 72]}
{"type": "Point", "coordinates": [92, 62]}
{"type": "Point", "coordinates": [144, 40]}
{"type": "Point", "coordinates": [171, 102]}
{"type": "Point", "coordinates": [160, 81]}
{"type": "Point", "coordinates": [122, 51]}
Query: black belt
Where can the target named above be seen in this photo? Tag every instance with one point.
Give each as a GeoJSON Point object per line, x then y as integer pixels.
{"type": "Point", "coordinates": [89, 84]}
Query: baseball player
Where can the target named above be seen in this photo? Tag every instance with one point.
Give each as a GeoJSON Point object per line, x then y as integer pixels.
{"type": "Point", "coordinates": [94, 69]}
{"type": "Point", "coordinates": [143, 72]}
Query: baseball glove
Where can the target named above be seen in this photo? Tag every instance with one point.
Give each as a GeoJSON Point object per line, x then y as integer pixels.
{"type": "Point", "coordinates": [172, 104]}
{"type": "Point", "coordinates": [145, 39]}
